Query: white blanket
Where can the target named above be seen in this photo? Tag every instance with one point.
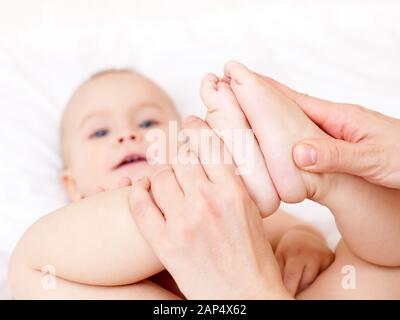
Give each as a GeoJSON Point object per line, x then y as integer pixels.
{"type": "Point", "coordinates": [339, 50]}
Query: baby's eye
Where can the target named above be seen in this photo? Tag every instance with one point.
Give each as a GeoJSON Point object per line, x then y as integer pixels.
{"type": "Point", "coordinates": [99, 133]}
{"type": "Point", "coordinates": [147, 124]}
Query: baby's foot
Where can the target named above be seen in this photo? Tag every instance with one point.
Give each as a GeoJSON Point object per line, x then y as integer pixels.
{"type": "Point", "coordinates": [227, 119]}
{"type": "Point", "coordinates": [278, 124]}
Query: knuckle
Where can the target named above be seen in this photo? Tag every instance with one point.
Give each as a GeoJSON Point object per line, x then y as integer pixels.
{"type": "Point", "coordinates": [249, 203]}
{"type": "Point", "coordinates": [291, 275]}
{"type": "Point", "coordinates": [140, 208]}
{"type": "Point", "coordinates": [246, 205]}
{"type": "Point", "coordinates": [375, 160]}
{"type": "Point", "coordinates": [237, 201]}
{"type": "Point", "coordinates": [229, 194]}
{"type": "Point", "coordinates": [186, 232]}
{"type": "Point", "coordinates": [333, 156]}
{"type": "Point", "coordinates": [356, 108]}
{"type": "Point", "coordinates": [352, 112]}
{"type": "Point", "coordinates": [206, 203]}
{"type": "Point", "coordinates": [302, 97]}
{"type": "Point", "coordinates": [159, 175]}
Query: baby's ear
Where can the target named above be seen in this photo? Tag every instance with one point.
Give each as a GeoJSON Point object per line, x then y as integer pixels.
{"type": "Point", "coordinates": [69, 185]}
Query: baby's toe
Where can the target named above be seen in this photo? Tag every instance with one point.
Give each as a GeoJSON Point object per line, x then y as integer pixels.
{"type": "Point", "coordinates": [208, 90]}
{"type": "Point", "coordinates": [223, 87]}
{"type": "Point", "coordinates": [237, 73]}
{"type": "Point", "coordinates": [216, 94]}
{"type": "Point", "coordinates": [209, 82]}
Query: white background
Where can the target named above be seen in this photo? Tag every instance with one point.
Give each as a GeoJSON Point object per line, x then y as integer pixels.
{"type": "Point", "coordinates": [339, 50]}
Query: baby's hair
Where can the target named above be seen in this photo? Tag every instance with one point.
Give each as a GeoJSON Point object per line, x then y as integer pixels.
{"type": "Point", "coordinates": [108, 71]}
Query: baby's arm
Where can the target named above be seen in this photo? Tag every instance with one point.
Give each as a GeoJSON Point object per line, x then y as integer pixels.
{"type": "Point", "coordinates": [90, 243]}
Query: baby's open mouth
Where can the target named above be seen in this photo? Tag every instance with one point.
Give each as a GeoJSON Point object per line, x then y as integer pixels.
{"type": "Point", "coordinates": [130, 159]}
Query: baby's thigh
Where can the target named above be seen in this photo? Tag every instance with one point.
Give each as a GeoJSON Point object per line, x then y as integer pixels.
{"type": "Point", "coordinates": [349, 277]}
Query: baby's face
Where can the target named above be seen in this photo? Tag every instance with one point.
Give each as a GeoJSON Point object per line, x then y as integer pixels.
{"type": "Point", "coordinates": [104, 128]}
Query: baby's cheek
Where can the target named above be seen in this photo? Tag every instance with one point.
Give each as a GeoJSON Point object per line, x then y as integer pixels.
{"type": "Point", "coordinates": [89, 176]}
{"type": "Point", "coordinates": [162, 145]}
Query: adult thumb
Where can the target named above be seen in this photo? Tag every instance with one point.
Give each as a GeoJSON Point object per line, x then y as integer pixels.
{"type": "Point", "coordinates": [333, 155]}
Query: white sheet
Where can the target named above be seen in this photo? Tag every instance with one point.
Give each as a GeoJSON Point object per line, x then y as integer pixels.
{"type": "Point", "coordinates": [340, 50]}
{"type": "Point", "coordinates": [4, 291]}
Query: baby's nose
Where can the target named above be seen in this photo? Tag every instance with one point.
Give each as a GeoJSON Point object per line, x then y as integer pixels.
{"type": "Point", "coordinates": [124, 138]}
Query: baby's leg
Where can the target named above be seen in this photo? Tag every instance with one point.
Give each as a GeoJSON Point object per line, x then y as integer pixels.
{"type": "Point", "coordinates": [91, 242]}
{"type": "Point", "coordinates": [37, 285]}
{"type": "Point", "coordinates": [367, 215]}
{"type": "Point", "coordinates": [226, 118]}
{"type": "Point", "coordinates": [350, 277]}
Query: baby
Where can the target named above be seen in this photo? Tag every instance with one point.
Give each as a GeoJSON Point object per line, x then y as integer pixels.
{"type": "Point", "coordinates": [91, 248]}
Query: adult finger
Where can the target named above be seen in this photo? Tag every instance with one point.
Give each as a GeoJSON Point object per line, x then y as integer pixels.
{"type": "Point", "coordinates": [188, 170]}
{"type": "Point", "coordinates": [210, 149]}
{"type": "Point", "coordinates": [332, 155]}
{"type": "Point", "coordinates": [167, 193]}
{"type": "Point", "coordinates": [145, 213]}
{"type": "Point", "coordinates": [124, 182]}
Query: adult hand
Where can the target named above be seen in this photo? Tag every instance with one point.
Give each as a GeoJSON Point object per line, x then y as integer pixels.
{"type": "Point", "coordinates": [367, 142]}
{"type": "Point", "coordinates": [204, 227]}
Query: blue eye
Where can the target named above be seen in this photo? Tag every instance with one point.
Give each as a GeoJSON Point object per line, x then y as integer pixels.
{"type": "Point", "coordinates": [99, 133]}
{"type": "Point", "coordinates": [147, 124]}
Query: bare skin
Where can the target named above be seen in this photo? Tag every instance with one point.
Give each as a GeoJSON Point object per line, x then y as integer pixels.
{"type": "Point", "coordinates": [93, 243]}
{"type": "Point", "coordinates": [225, 113]}
{"type": "Point", "coordinates": [373, 231]}
{"type": "Point", "coordinates": [50, 237]}
{"type": "Point", "coordinates": [109, 246]}
{"type": "Point", "coordinates": [105, 120]}
{"type": "Point", "coordinates": [370, 281]}
{"type": "Point", "coordinates": [369, 236]}
{"type": "Point", "coordinates": [366, 142]}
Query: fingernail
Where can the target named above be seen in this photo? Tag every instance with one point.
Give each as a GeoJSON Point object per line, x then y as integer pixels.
{"type": "Point", "coordinates": [189, 119]}
{"type": "Point", "coordinates": [305, 155]}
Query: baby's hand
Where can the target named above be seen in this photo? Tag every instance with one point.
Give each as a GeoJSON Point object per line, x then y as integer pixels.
{"type": "Point", "coordinates": [302, 255]}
